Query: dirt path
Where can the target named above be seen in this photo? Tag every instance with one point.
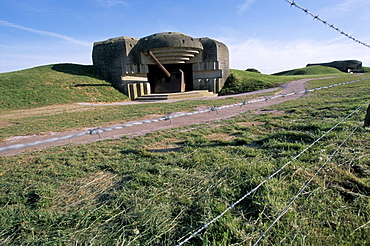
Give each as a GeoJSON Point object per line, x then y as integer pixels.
{"type": "Point", "coordinates": [138, 130]}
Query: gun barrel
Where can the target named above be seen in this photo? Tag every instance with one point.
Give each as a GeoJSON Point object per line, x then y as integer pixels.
{"type": "Point", "coordinates": [159, 64]}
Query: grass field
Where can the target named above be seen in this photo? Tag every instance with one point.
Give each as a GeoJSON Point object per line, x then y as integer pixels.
{"type": "Point", "coordinates": [312, 70]}
{"type": "Point", "coordinates": [158, 188]}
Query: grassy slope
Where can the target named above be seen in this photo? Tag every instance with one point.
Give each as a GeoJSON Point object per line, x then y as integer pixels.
{"type": "Point", "coordinates": [243, 81]}
{"type": "Point", "coordinates": [312, 70]}
{"type": "Point", "coordinates": [54, 84]}
{"type": "Point", "coordinates": [140, 191]}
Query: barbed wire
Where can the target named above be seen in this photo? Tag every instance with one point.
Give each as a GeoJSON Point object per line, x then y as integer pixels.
{"type": "Point", "coordinates": [169, 117]}
{"type": "Point", "coordinates": [305, 186]}
{"type": "Point", "coordinates": [269, 177]}
{"type": "Point", "coordinates": [316, 17]}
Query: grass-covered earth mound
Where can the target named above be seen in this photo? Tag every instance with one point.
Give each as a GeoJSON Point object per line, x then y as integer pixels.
{"type": "Point", "coordinates": [245, 81]}
{"type": "Point", "coordinates": [54, 84]}
{"type": "Point", "coordinates": [312, 70]}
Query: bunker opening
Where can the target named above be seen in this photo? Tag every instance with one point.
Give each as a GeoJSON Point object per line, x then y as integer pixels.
{"type": "Point", "coordinates": [180, 79]}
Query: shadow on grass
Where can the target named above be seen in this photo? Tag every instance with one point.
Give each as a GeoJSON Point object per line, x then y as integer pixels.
{"type": "Point", "coordinates": [87, 85]}
{"type": "Point", "coordinates": [76, 69]}
{"type": "Point", "coordinates": [82, 70]}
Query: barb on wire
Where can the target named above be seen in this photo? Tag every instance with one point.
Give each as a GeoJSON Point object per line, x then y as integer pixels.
{"type": "Point", "coordinates": [304, 187]}
{"type": "Point", "coordinates": [244, 102]}
{"type": "Point", "coordinates": [169, 117]}
{"type": "Point", "coordinates": [316, 17]}
{"type": "Point", "coordinates": [269, 177]}
{"type": "Point", "coordinates": [95, 131]}
{"type": "Point", "coordinates": [214, 108]}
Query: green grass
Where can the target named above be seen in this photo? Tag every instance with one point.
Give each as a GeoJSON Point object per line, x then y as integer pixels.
{"type": "Point", "coordinates": [244, 81]}
{"type": "Point", "coordinates": [158, 188]}
{"type": "Point", "coordinates": [54, 84]}
{"type": "Point", "coordinates": [366, 69]}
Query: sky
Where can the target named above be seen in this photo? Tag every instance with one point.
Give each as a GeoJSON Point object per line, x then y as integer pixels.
{"type": "Point", "coordinates": [268, 35]}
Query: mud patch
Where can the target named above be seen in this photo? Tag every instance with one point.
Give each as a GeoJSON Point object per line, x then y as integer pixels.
{"type": "Point", "coordinates": [167, 145]}
{"type": "Point", "coordinates": [201, 108]}
{"type": "Point", "coordinates": [6, 124]}
{"type": "Point", "coordinates": [221, 136]}
{"type": "Point", "coordinates": [88, 191]}
{"type": "Point", "coordinates": [45, 111]}
{"type": "Point", "coordinates": [153, 116]}
{"type": "Point", "coordinates": [271, 111]}
{"type": "Point", "coordinates": [251, 123]}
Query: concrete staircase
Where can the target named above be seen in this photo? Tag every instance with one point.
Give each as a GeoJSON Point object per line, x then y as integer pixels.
{"type": "Point", "coordinates": [178, 95]}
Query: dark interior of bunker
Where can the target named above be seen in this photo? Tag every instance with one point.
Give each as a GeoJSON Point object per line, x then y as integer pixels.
{"type": "Point", "coordinates": [181, 78]}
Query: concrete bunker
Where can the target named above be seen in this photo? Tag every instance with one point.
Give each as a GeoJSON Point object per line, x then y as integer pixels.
{"type": "Point", "coordinates": [169, 62]}
{"type": "Point", "coordinates": [344, 66]}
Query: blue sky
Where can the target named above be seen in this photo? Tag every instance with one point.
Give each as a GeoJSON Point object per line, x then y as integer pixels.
{"type": "Point", "coordinates": [268, 35]}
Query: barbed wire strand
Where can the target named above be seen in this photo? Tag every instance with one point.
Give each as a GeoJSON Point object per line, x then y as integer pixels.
{"type": "Point", "coordinates": [269, 177]}
{"type": "Point", "coordinates": [169, 117]}
{"type": "Point", "coordinates": [316, 17]}
{"type": "Point", "coordinates": [305, 186]}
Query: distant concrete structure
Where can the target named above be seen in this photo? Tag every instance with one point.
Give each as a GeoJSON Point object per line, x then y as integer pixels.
{"type": "Point", "coordinates": [344, 66]}
{"type": "Point", "coordinates": [167, 62]}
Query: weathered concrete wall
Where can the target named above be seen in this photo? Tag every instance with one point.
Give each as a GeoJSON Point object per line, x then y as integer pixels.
{"type": "Point", "coordinates": [111, 57]}
{"type": "Point", "coordinates": [217, 52]}
{"type": "Point", "coordinates": [167, 40]}
{"type": "Point", "coordinates": [121, 59]}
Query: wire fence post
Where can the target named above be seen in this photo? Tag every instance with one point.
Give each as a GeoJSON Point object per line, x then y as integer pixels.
{"type": "Point", "coordinates": [367, 117]}
{"type": "Point", "coordinates": [95, 131]}
{"type": "Point", "coordinates": [168, 117]}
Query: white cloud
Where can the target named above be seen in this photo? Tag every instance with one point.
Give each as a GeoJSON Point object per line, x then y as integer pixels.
{"type": "Point", "coordinates": [345, 7]}
{"type": "Point", "coordinates": [15, 62]}
{"type": "Point", "coordinates": [245, 6]}
{"type": "Point", "coordinates": [45, 33]}
{"type": "Point", "coordinates": [21, 56]}
{"type": "Point", "coordinates": [275, 56]}
{"type": "Point", "coordinates": [111, 3]}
